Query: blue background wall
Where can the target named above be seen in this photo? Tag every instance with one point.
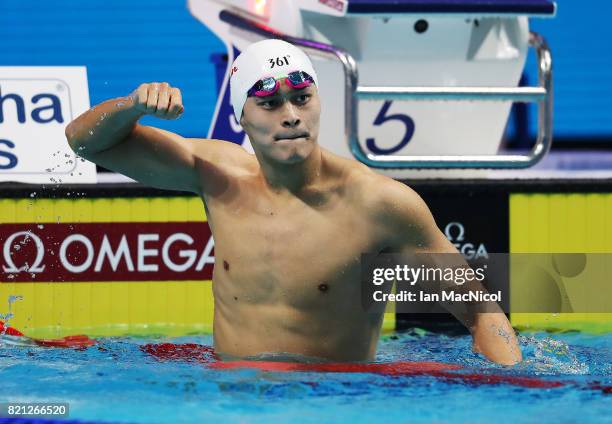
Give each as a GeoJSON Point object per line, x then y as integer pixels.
{"type": "Point", "coordinates": [579, 37]}
{"type": "Point", "coordinates": [126, 42]}
{"type": "Point", "coordinates": [123, 43]}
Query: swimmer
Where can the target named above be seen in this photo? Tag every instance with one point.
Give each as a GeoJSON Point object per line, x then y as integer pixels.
{"type": "Point", "coordinates": [289, 222]}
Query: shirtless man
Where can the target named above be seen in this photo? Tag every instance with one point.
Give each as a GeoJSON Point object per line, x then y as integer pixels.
{"type": "Point", "coordinates": [289, 223]}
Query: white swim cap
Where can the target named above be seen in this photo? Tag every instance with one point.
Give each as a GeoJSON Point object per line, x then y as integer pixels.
{"type": "Point", "coordinates": [267, 58]}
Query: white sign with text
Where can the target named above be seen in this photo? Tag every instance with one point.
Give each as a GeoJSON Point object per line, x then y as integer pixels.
{"type": "Point", "coordinates": [36, 104]}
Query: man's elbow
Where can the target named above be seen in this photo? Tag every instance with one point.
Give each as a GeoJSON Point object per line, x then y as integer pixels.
{"type": "Point", "coordinates": [70, 133]}
{"type": "Point", "coordinates": [76, 140]}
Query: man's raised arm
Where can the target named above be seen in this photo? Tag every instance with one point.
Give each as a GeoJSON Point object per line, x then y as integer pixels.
{"type": "Point", "coordinates": [110, 136]}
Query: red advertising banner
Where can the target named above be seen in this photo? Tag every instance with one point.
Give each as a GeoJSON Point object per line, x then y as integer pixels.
{"type": "Point", "coordinates": [131, 251]}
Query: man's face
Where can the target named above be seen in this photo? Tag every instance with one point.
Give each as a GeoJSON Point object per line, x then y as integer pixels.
{"type": "Point", "coordinates": [285, 126]}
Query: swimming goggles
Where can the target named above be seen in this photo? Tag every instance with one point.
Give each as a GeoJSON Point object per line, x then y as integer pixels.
{"type": "Point", "coordinates": [268, 86]}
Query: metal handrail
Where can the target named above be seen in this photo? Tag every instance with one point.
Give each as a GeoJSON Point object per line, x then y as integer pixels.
{"type": "Point", "coordinates": [515, 94]}
{"type": "Point", "coordinates": [542, 94]}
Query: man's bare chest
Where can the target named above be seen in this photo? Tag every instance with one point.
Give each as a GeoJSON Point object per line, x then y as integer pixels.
{"type": "Point", "coordinates": [298, 251]}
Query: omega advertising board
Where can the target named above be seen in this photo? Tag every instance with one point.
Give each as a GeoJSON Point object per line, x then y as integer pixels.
{"type": "Point", "coordinates": [106, 266]}
{"type": "Point", "coordinates": [119, 251]}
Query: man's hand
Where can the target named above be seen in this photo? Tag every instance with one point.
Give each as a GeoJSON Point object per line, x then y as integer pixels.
{"type": "Point", "coordinates": [494, 338]}
{"type": "Point", "coordinates": [158, 99]}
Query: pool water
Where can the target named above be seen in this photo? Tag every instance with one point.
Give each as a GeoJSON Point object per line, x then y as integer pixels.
{"type": "Point", "coordinates": [117, 381]}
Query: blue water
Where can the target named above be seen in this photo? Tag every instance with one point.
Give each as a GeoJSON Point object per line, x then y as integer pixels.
{"type": "Point", "coordinates": [120, 383]}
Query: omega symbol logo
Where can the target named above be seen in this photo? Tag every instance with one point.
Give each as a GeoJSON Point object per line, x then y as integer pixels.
{"type": "Point", "coordinates": [455, 233]}
{"type": "Point", "coordinates": [40, 253]}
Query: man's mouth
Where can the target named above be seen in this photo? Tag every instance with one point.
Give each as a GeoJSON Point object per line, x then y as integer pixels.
{"type": "Point", "coordinates": [291, 136]}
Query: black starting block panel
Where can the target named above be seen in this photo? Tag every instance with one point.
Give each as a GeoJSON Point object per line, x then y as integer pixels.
{"type": "Point", "coordinates": [435, 7]}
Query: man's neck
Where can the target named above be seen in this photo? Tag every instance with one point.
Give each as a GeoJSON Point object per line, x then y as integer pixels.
{"type": "Point", "coordinates": [293, 178]}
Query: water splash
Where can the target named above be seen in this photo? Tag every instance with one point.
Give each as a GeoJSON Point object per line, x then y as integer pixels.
{"type": "Point", "coordinates": [5, 318]}
{"type": "Point", "coordinates": [550, 356]}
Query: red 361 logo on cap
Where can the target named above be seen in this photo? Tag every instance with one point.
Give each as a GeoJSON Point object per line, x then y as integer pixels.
{"type": "Point", "coordinates": [233, 70]}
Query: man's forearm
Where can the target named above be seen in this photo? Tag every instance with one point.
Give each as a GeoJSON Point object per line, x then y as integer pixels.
{"type": "Point", "coordinates": [103, 126]}
{"type": "Point", "coordinates": [492, 334]}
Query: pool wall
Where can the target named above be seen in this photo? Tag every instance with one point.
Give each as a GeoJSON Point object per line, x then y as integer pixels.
{"type": "Point", "coordinates": [530, 216]}
{"type": "Point", "coordinates": [563, 223]}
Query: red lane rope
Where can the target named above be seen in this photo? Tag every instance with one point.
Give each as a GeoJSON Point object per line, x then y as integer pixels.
{"type": "Point", "coordinates": [449, 372]}
{"type": "Point", "coordinates": [78, 341]}
{"type": "Point", "coordinates": [9, 330]}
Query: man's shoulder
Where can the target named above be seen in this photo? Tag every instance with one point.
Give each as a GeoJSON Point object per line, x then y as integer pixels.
{"type": "Point", "coordinates": [376, 189]}
{"type": "Point", "coordinates": [223, 154]}
{"type": "Point", "coordinates": [387, 201]}
{"type": "Point", "coordinates": [202, 146]}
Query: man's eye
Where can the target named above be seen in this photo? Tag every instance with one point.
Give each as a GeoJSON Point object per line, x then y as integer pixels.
{"type": "Point", "coordinates": [303, 98]}
{"type": "Point", "coordinates": [269, 104]}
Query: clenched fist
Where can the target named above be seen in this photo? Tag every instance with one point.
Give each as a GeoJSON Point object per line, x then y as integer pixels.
{"type": "Point", "coordinates": [158, 99]}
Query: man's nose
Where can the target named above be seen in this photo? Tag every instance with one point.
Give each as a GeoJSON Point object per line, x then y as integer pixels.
{"type": "Point", "coordinates": [290, 116]}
